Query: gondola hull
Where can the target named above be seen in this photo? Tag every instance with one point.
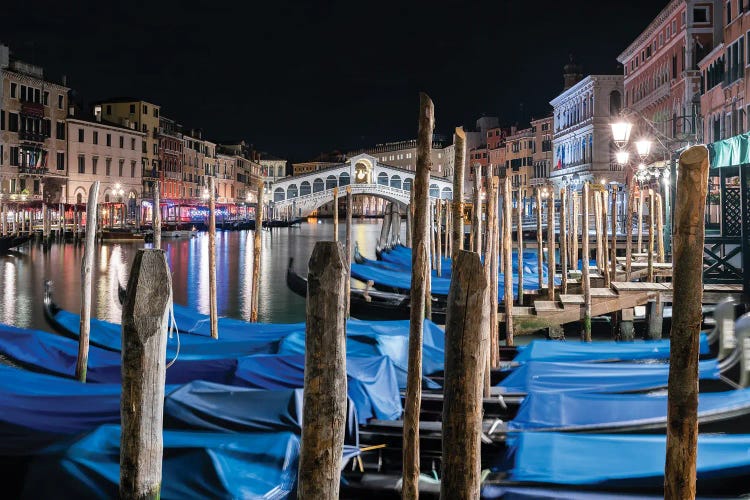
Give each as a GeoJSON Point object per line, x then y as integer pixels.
{"type": "Point", "coordinates": [9, 242]}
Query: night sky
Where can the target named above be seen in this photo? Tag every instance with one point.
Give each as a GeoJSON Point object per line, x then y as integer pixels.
{"type": "Point", "coordinates": [298, 78]}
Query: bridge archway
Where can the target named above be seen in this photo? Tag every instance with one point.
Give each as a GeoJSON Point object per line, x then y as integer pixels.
{"type": "Point", "coordinates": [446, 193]}
{"type": "Point", "coordinates": [434, 191]}
{"type": "Point", "coordinates": [291, 191]}
{"type": "Point", "coordinates": [318, 185]}
{"type": "Point", "coordinates": [304, 188]}
{"type": "Point", "coordinates": [331, 182]}
{"type": "Point", "coordinates": [278, 194]}
{"type": "Point", "coordinates": [396, 181]}
{"type": "Point", "coordinates": [383, 179]}
{"type": "Point", "coordinates": [344, 179]}
{"type": "Point", "coordinates": [407, 184]}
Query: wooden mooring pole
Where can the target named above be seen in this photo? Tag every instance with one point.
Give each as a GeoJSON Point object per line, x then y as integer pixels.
{"type": "Point", "coordinates": [4, 215]}
{"type": "Point", "coordinates": [467, 319]}
{"type": "Point", "coordinates": [86, 271]}
{"type": "Point", "coordinates": [156, 215]}
{"type": "Point", "coordinates": [551, 244]}
{"type": "Point", "coordinates": [651, 235]}
{"type": "Point", "coordinates": [438, 237]}
{"type": "Point", "coordinates": [420, 294]}
{"type": "Point", "coordinates": [408, 219]}
{"type": "Point", "coordinates": [508, 259]}
{"type": "Point", "coordinates": [385, 228]}
{"type": "Point", "coordinates": [457, 218]}
{"type": "Point", "coordinates": [335, 214]}
{"type": "Point", "coordinates": [494, 343]}
{"type": "Point", "coordinates": [519, 237]}
{"type": "Point", "coordinates": [348, 247]}
{"type": "Point", "coordinates": [629, 233]}
{"type": "Point", "coordinates": [682, 394]}
{"type": "Point", "coordinates": [605, 240]}
{"type": "Point", "coordinates": [574, 231]}
{"type": "Point", "coordinates": [585, 277]}
{"type": "Point", "coordinates": [641, 202]}
{"type": "Point", "coordinates": [325, 400]}
{"type": "Point", "coordinates": [144, 349]}
{"type": "Point", "coordinates": [539, 236]}
{"type": "Point", "coordinates": [476, 221]}
{"type": "Point", "coordinates": [488, 335]}
{"type": "Point", "coordinates": [212, 306]}
{"type": "Point", "coordinates": [257, 250]}
{"type": "Point", "coordinates": [660, 228]}
{"type": "Point", "coordinates": [563, 240]}
{"type": "Point", "coordinates": [598, 227]}
{"type": "Point", "coordinates": [613, 246]}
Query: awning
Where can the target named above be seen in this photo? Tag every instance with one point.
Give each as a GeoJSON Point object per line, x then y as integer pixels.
{"type": "Point", "coordinates": [730, 152]}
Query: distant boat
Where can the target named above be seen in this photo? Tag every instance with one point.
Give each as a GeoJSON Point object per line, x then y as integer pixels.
{"type": "Point", "coordinates": [118, 234]}
{"type": "Point", "coordinates": [12, 241]}
{"type": "Point", "coordinates": [283, 222]}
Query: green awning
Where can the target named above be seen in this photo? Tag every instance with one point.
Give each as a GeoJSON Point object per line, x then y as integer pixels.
{"type": "Point", "coordinates": [730, 152]}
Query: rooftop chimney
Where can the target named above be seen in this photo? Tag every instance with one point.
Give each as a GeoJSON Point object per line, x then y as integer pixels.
{"type": "Point", "coordinates": [572, 74]}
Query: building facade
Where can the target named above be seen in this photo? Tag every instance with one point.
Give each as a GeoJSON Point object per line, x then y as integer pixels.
{"type": "Point", "coordinates": [662, 78]}
{"type": "Point", "coordinates": [541, 154]}
{"type": "Point", "coordinates": [171, 159]}
{"type": "Point", "coordinates": [108, 153]}
{"type": "Point", "coordinates": [724, 107]}
{"type": "Point", "coordinates": [519, 146]}
{"type": "Point", "coordinates": [33, 155]}
{"type": "Point", "coordinates": [582, 142]}
{"type": "Point", "coordinates": [272, 169]}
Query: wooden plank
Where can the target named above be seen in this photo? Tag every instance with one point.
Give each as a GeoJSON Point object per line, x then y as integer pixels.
{"type": "Point", "coordinates": [569, 298]}
{"type": "Point", "coordinates": [603, 292]}
{"type": "Point", "coordinates": [546, 305]}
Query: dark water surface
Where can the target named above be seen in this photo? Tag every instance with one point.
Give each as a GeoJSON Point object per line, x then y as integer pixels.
{"type": "Point", "coordinates": [22, 273]}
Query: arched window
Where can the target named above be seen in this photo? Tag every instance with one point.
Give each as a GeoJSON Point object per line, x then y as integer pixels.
{"type": "Point", "coordinates": [330, 182]}
{"type": "Point", "coordinates": [383, 179]}
{"type": "Point", "coordinates": [280, 172]}
{"type": "Point", "coordinates": [106, 198]}
{"type": "Point", "coordinates": [447, 193]}
{"type": "Point", "coordinates": [291, 191]}
{"type": "Point", "coordinates": [278, 194]}
{"type": "Point", "coordinates": [304, 188]}
{"type": "Point", "coordinates": [434, 191]}
{"type": "Point", "coordinates": [407, 184]}
{"type": "Point", "coordinates": [79, 198]}
{"type": "Point", "coordinates": [396, 181]}
{"type": "Point", "coordinates": [318, 185]}
{"type": "Point", "coordinates": [344, 179]}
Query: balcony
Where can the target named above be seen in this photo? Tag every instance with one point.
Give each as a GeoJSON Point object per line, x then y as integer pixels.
{"type": "Point", "coordinates": [41, 171]}
{"type": "Point", "coordinates": [32, 109]}
{"type": "Point", "coordinates": [26, 135]}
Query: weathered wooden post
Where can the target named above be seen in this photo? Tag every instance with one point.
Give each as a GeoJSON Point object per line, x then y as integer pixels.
{"type": "Point", "coordinates": [682, 396]}
{"type": "Point", "coordinates": [519, 237]}
{"type": "Point", "coordinates": [325, 400]}
{"type": "Point", "coordinates": [86, 270]}
{"type": "Point", "coordinates": [539, 237]}
{"type": "Point", "coordinates": [650, 252]}
{"type": "Point", "coordinates": [489, 334]}
{"type": "Point", "coordinates": [156, 215]}
{"type": "Point", "coordinates": [613, 249]}
{"type": "Point", "coordinates": [457, 219]}
{"type": "Point", "coordinates": [4, 222]}
{"type": "Point", "coordinates": [585, 278]}
{"type": "Point", "coordinates": [396, 224]}
{"type": "Point", "coordinates": [629, 232]}
{"type": "Point", "coordinates": [385, 228]}
{"type": "Point", "coordinates": [257, 250]}
{"type": "Point", "coordinates": [660, 228]}
{"type": "Point", "coordinates": [551, 244]}
{"type": "Point", "coordinates": [448, 225]}
{"type": "Point", "coordinates": [433, 253]}
{"type": "Point", "coordinates": [348, 247]}
{"type": "Point", "coordinates": [563, 240]}
{"type": "Point", "coordinates": [420, 294]}
{"type": "Point", "coordinates": [212, 307]}
{"type": "Point", "coordinates": [438, 237]}
{"type": "Point", "coordinates": [462, 407]}
{"type": "Point", "coordinates": [508, 259]}
{"type": "Point", "coordinates": [144, 350]}
{"type": "Point", "coordinates": [494, 344]}
{"type": "Point", "coordinates": [336, 213]}
{"type": "Point", "coordinates": [605, 240]}
{"type": "Point", "coordinates": [408, 218]}
{"type": "Point", "coordinates": [75, 222]}
{"type": "Point", "coordinates": [598, 227]}
{"type": "Point", "coordinates": [641, 202]}
{"type": "Point", "coordinates": [476, 221]}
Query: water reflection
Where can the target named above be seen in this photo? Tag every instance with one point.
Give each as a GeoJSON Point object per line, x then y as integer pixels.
{"type": "Point", "coordinates": [22, 274]}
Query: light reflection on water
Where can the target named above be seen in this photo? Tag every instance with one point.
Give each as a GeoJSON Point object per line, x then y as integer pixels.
{"type": "Point", "coordinates": [22, 273]}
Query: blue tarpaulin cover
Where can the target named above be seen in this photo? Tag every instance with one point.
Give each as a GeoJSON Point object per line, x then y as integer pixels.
{"type": "Point", "coordinates": [195, 465]}
{"type": "Point", "coordinates": [38, 409]}
{"type": "Point", "coordinates": [51, 353]}
{"type": "Point", "coordinates": [579, 411]}
{"type": "Point", "coordinates": [555, 350]}
{"type": "Point", "coordinates": [594, 377]}
{"type": "Point", "coordinates": [615, 460]}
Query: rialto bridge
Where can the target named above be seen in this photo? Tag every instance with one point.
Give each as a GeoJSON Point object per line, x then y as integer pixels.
{"type": "Point", "coordinates": [366, 176]}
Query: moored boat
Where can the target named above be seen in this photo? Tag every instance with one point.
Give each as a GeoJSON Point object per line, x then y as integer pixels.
{"type": "Point", "coordinates": [12, 241]}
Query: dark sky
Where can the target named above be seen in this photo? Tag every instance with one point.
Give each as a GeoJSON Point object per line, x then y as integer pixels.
{"type": "Point", "coordinates": [298, 78]}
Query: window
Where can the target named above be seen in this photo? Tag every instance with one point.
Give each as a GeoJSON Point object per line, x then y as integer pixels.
{"type": "Point", "coordinates": [674, 26]}
{"type": "Point", "coordinates": [109, 109]}
{"type": "Point", "coordinates": [108, 166]}
{"type": "Point", "coordinates": [145, 128]}
{"type": "Point", "coordinates": [45, 98]}
{"type": "Point", "coordinates": [23, 92]}
{"type": "Point", "coordinates": [132, 169]}
{"type": "Point", "coordinates": [109, 139]}
{"type": "Point", "coordinates": [60, 130]}
{"type": "Point", "coordinates": [119, 172]}
{"type": "Point", "coordinates": [661, 39]}
{"type": "Point", "coordinates": [122, 142]}
{"type": "Point", "coordinates": [132, 109]}
{"type": "Point", "coordinates": [729, 12]}
{"type": "Point", "coordinates": [14, 90]}
{"type": "Point", "coordinates": [96, 137]}
{"type": "Point", "coordinates": [14, 156]}
{"type": "Point", "coordinates": [2, 119]}
{"type": "Point", "coordinates": [94, 161]}
{"type": "Point", "coordinates": [132, 143]}
{"type": "Point", "coordinates": [144, 148]}
{"type": "Point", "coordinates": [156, 113]}
{"type": "Point", "coordinates": [145, 109]}
{"type": "Point", "coordinates": [1, 153]}
{"type": "Point", "coordinates": [700, 15]}
{"type": "Point", "coordinates": [156, 149]}
{"type": "Point", "coordinates": [13, 122]}
{"type": "Point", "coordinates": [81, 164]}
{"type": "Point", "coordinates": [60, 160]}
{"type": "Point", "coordinates": [60, 101]}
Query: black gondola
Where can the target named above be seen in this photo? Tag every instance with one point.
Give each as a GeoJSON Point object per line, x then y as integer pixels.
{"type": "Point", "coordinates": [283, 223]}
{"type": "Point", "coordinates": [12, 241]}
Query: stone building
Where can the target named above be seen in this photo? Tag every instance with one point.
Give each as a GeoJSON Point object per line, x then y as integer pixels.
{"type": "Point", "coordinates": [33, 155]}
{"type": "Point", "coordinates": [541, 154]}
{"type": "Point", "coordinates": [108, 153]}
{"type": "Point", "coordinates": [171, 158]}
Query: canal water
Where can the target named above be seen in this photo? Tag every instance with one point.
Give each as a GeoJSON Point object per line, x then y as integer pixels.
{"type": "Point", "coordinates": [23, 273]}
